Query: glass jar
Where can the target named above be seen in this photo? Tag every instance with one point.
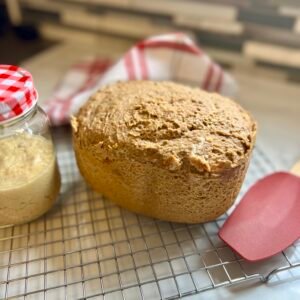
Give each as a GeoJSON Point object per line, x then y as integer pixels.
{"type": "Point", "coordinates": [29, 175]}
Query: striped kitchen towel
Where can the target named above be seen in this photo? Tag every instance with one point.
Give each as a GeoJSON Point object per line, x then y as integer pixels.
{"type": "Point", "coordinates": [172, 57]}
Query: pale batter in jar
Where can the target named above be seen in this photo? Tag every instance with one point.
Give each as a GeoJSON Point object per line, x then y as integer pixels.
{"type": "Point", "coordinates": [29, 178]}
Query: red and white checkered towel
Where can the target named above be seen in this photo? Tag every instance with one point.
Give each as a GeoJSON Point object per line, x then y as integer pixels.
{"type": "Point", "coordinates": [165, 57]}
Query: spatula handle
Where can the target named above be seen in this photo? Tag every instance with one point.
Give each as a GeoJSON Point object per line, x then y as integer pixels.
{"type": "Point", "coordinates": [296, 169]}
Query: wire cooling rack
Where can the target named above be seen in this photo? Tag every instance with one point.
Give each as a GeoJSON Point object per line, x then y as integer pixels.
{"type": "Point", "coordinates": [86, 247]}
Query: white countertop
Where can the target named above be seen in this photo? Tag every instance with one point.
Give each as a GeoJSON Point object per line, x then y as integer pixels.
{"type": "Point", "coordinates": [273, 101]}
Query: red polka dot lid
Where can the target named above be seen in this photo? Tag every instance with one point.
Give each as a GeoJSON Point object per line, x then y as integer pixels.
{"type": "Point", "coordinates": [17, 92]}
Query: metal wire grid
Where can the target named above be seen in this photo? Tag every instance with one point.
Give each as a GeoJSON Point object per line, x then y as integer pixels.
{"type": "Point", "coordinates": [87, 247]}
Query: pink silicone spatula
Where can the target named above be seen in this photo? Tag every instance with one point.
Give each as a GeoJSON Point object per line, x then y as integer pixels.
{"type": "Point", "coordinates": [267, 220]}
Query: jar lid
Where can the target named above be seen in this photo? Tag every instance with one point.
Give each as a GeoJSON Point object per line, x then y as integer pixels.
{"type": "Point", "coordinates": [17, 92]}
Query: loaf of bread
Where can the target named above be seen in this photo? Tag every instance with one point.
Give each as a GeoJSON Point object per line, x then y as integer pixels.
{"type": "Point", "coordinates": [163, 149]}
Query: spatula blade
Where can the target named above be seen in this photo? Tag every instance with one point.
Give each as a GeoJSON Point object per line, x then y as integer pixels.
{"type": "Point", "coordinates": [267, 220]}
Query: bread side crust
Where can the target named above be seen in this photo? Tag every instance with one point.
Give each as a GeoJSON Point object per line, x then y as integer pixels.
{"type": "Point", "coordinates": [155, 192]}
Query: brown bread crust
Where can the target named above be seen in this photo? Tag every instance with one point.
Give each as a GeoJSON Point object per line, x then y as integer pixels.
{"type": "Point", "coordinates": [163, 149]}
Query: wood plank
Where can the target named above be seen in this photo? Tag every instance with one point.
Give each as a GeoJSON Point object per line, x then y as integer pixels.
{"type": "Point", "coordinates": [273, 54]}
{"type": "Point", "coordinates": [210, 25]}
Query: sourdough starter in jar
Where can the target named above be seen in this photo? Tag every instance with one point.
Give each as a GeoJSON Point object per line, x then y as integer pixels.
{"type": "Point", "coordinates": [29, 177]}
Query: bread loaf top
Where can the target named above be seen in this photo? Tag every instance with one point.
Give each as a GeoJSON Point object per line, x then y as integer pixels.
{"type": "Point", "coordinates": [170, 125]}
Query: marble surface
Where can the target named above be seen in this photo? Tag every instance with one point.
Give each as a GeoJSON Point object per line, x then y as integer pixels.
{"type": "Point", "coordinates": [267, 94]}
